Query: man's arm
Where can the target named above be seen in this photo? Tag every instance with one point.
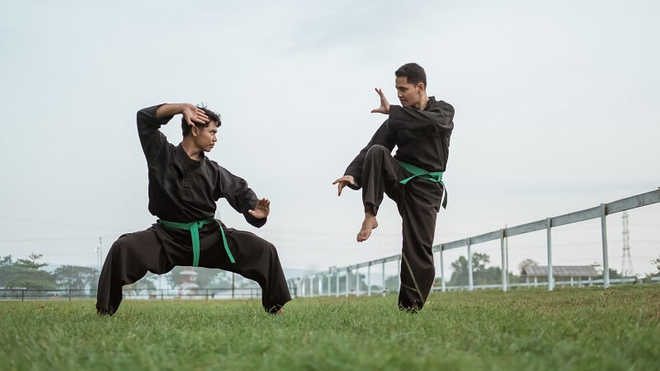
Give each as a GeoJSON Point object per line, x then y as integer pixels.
{"type": "Point", "coordinates": [150, 119]}
{"type": "Point", "coordinates": [383, 136]}
{"type": "Point", "coordinates": [440, 115]}
{"type": "Point", "coordinates": [242, 198]}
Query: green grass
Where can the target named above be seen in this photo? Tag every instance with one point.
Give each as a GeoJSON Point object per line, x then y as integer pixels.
{"type": "Point", "coordinates": [582, 329]}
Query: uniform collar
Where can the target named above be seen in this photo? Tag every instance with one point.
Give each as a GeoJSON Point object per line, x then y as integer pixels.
{"type": "Point", "coordinates": [430, 102]}
{"type": "Point", "coordinates": [186, 162]}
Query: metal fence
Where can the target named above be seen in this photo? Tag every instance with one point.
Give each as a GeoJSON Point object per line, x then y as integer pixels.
{"type": "Point", "coordinates": [337, 280]}
{"type": "Point", "coordinates": [153, 294]}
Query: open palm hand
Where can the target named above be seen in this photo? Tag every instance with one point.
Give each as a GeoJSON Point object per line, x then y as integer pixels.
{"type": "Point", "coordinates": [261, 210]}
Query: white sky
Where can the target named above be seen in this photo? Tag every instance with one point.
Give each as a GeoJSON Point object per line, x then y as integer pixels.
{"type": "Point", "coordinates": [556, 110]}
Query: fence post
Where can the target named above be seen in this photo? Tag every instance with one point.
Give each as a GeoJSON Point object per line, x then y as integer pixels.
{"type": "Point", "coordinates": [337, 282]}
{"type": "Point", "coordinates": [23, 295]}
{"type": "Point", "coordinates": [69, 293]}
{"type": "Point", "coordinates": [398, 288]}
{"type": "Point", "coordinates": [383, 278]}
{"type": "Point", "coordinates": [347, 285]}
{"type": "Point", "coordinates": [469, 253]}
{"type": "Point", "coordinates": [442, 269]}
{"type": "Point", "coordinates": [232, 285]}
{"type": "Point", "coordinates": [603, 231]}
{"type": "Point", "coordinates": [551, 280]}
{"type": "Point", "coordinates": [207, 294]}
{"type": "Point", "coordinates": [369, 279]}
{"type": "Point", "coordinates": [357, 281]}
{"type": "Point", "coordinates": [504, 267]}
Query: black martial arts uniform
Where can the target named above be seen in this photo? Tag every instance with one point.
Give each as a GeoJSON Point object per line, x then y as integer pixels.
{"type": "Point", "coordinates": [184, 190]}
{"type": "Point", "coordinates": [422, 138]}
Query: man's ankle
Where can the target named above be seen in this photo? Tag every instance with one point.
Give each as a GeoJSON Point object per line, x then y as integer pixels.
{"type": "Point", "coordinates": [369, 211]}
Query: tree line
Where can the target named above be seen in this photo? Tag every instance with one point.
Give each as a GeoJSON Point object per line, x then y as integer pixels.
{"type": "Point", "coordinates": [31, 273]}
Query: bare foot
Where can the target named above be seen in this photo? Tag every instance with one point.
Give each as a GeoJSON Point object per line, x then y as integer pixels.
{"type": "Point", "coordinates": [370, 223]}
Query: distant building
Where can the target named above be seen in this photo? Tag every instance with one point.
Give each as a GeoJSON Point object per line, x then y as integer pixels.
{"type": "Point", "coordinates": [560, 272]}
{"type": "Point", "coordinates": [188, 286]}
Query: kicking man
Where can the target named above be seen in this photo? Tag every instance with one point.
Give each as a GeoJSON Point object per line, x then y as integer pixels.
{"type": "Point", "coordinates": [420, 128]}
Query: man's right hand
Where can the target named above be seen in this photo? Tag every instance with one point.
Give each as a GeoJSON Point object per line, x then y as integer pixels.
{"type": "Point", "coordinates": [193, 114]}
{"type": "Point", "coordinates": [384, 104]}
{"type": "Point", "coordinates": [343, 182]}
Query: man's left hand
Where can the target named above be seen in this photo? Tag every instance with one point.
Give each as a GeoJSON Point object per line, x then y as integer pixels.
{"type": "Point", "coordinates": [261, 210]}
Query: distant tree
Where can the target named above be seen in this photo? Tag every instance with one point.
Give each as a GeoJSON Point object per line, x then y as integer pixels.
{"type": "Point", "coordinates": [392, 283]}
{"type": "Point", "coordinates": [222, 279]}
{"type": "Point", "coordinates": [76, 277]}
{"type": "Point", "coordinates": [31, 262]}
{"type": "Point", "coordinates": [206, 277]}
{"type": "Point", "coordinates": [25, 273]}
{"type": "Point", "coordinates": [656, 261]}
{"type": "Point", "coordinates": [6, 270]}
{"type": "Point", "coordinates": [141, 286]}
{"type": "Point", "coordinates": [459, 276]}
{"type": "Point", "coordinates": [527, 263]}
{"type": "Point", "coordinates": [488, 276]}
{"type": "Point", "coordinates": [615, 274]}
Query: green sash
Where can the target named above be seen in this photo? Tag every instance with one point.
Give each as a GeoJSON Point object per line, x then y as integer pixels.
{"type": "Point", "coordinates": [432, 176]}
{"type": "Point", "coordinates": [194, 227]}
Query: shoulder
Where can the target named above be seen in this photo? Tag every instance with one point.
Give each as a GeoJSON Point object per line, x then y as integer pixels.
{"type": "Point", "coordinates": [218, 169]}
{"type": "Point", "coordinates": [440, 105]}
{"type": "Point", "coordinates": [213, 166]}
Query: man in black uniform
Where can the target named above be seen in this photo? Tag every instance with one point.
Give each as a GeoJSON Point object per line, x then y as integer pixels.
{"type": "Point", "coordinates": [184, 186]}
{"type": "Point", "coordinates": [421, 128]}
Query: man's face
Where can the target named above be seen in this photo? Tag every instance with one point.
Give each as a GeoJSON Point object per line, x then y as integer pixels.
{"type": "Point", "coordinates": [205, 138]}
{"type": "Point", "coordinates": [410, 95]}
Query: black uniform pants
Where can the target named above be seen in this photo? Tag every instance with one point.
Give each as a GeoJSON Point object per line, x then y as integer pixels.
{"type": "Point", "coordinates": [418, 202]}
{"type": "Point", "coordinates": [159, 249]}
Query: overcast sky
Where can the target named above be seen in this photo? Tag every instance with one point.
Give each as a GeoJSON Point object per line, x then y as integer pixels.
{"type": "Point", "coordinates": [556, 110]}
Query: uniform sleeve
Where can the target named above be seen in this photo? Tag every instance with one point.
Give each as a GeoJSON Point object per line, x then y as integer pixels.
{"type": "Point", "coordinates": [384, 137]}
{"type": "Point", "coordinates": [152, 140]}
{"type": "Point", "coordinates": [440, 115]}
{"type": "Point", "coordinates": [241, 197]}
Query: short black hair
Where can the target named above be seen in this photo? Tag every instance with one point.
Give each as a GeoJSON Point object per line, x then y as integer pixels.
{"type": "Point", "coordinates": [413, 72]}
{"type": "Point", "coordinates": [213, 117]}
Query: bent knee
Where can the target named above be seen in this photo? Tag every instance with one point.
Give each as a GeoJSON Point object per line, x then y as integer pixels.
{"type": "Point", "coordinates": [269, 248]}
{"type": "Point", "coordinates": [122, 246]}
{"type": "Point", "coordinates": [378, 150]}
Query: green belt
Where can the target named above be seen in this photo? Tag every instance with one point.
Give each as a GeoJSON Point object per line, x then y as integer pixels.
{"type": "Point", "coordinates": [432, 176]}
{"type": "Point", "coordinates": [194, 227]}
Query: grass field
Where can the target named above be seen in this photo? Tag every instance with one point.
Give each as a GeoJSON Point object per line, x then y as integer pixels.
{"type": "Point", "coordinates": [581, 329]}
